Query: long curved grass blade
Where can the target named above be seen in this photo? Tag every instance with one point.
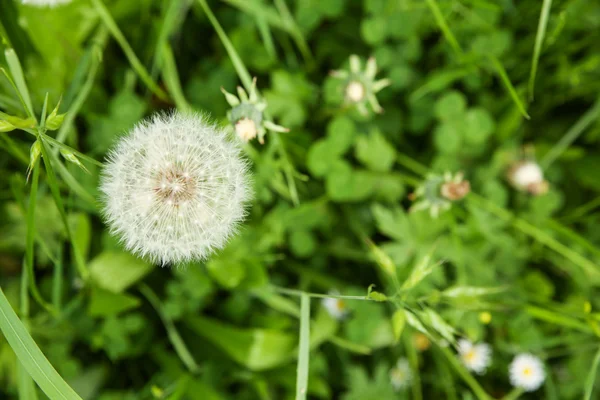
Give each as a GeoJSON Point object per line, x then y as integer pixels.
{"type": "Point", "coordinates": [136, 64]}
{"type": "Point", "coordinates": [19, 80]}
{"type": "Point", "coordinates": [30, 355]}
{"type": "Point", "coordinates": [509, 86]}
{"type": "Point", "coordinates": [443, 25]}
{"type": "Point", "coordinates": [537, 48]}
{"type": "Point", "coordinates": [171, 77]}
{"type": "Point", "coordinates": [174, 337]}
{"type": "Point", "coordinates": [572, 134]}
{"type": "Point", "coordinates": [591, 378]}
{"type": "Point", "coordinates": [303, 348]}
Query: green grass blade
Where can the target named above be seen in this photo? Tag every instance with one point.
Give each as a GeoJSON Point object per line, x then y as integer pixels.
{"type": "Point", "coordinates": [238, 64]}
{"type": "Point", "coordinates": [174, 337]}
{"type": "Point", "coordinates": [303, 348]}
{"type": "Point", "coordinates": [70, 180]}
{"type": "Point", "coordinates": [591, 378]}
{"type": "Point", "coordinates": [295, 31]}
{"type": "Point", "coordinates": [97, 45]}
{"type": "Point", "coordinates": [537, 48]}
{"type": "Point", "coordinates": [572, 134]}
{"type": "Point", "coordinates": [136, 64]}
{"type": "Point", "coordinates": [171, 77]}
{"type": "Point", "coordinates": [30, 239]}
{"type": "Point", "coordinates": [19, 80]}
{"type": "Point", "coordinates": [443, 25]}
{"type": "Point", "coordinates": [267, 37]}
{"type": "Point", "coordinates": [30, 355]}
{"type": "Point", "coordinates": [54, 189]}
{"type": "Point", "coordinates": [509, 86]}
{"type": "Point", "coordinates": [476, 388]}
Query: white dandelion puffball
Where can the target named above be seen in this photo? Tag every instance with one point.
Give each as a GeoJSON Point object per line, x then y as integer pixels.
{"type": "Point", "coordinates": [476, 357]}
{"type": "Point", "coordinates": [401, 375]}
{"type": "Point", "coordinates": [175, 188]}
{"type": "Point", "coordinates": [45, 3]}
{"type": "Point", "coordinates": [526, 175]}
{"type": "Point", "coordinates": [527, 372]}
{"type": "Point", "coordinates": [337, 308]}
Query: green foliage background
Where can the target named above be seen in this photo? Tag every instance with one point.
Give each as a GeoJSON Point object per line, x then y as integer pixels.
{"type": "Point", "coordinates": [331, 199]}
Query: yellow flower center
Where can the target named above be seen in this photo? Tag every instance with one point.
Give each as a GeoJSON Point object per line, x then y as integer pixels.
{"type": "Point", "coordinates": [527, 371]}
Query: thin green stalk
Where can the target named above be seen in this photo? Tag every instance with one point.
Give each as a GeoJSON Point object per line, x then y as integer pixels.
{"type": "Point", "coordinates": [136, 64]}
{"type": "Point", "coordinates": [174, 337]}
{"type": "Point", "coordinates": [171, 77]}
{"type": "Point", "coordinates": [30, 240]}
{"type": "Point", "coordinates": [591, 378]}
{"type": "Point", "coordinates": [54, 189]}
{"type": "Point", "coordinates": [572, 134]}
{"type": "Point", "coordinates": [413, 359]}
{"type": "Point", "coordinates": [294, 30]}
{"type": "Point", "coordinates": [539, 41]}
{"type": "Point", "coordinates": [57, 281]}
{"type": "Point", "coordinates": [509, 86]}
{"type": "Point", "coordinates": [514, 394]}
{"type": "Point", "coordinates": [582, 210]}
{"type": "Point", "coordinates": [94, 50]}
{"type": "Point", "coordinates": [443, 25]}
{"type": "Point", "coordinates": [11, 147]}
{"type": "Point", "coordinates": [266, 36]}
{"type": "Point", "coordinates": [303, 348]}
{"type": "Point", "coordinates": [300, 293]}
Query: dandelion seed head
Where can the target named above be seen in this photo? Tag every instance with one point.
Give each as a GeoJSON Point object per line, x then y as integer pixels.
{"type": "Point", "coordinates": [526, 371]}
{"type": "Point", "coordinates": [476, 357]}
{"type": "Point", "coordinates": [174, 189]}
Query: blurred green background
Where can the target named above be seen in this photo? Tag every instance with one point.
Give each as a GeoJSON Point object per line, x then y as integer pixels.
{"type": "Point", "coordinates": [476, 85]}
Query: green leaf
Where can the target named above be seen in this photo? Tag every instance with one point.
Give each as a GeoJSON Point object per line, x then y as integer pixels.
{"type": "Point", "coordinates": [30, 355]}
{"type": "Point", "coordinates": [398, 322]}
{"type": "Point", "coordinates": [116, 272]}
{"type": "Point", "coordinates": [375, 152]}
{"type": "Point", "coordinates": [257, 349]}
{"type": "Point", "coordinates": [105, 304]}
{"type": "Point", "coordinates": [451, 105]}
{"type": "Point", "coordinates": [591, 378]}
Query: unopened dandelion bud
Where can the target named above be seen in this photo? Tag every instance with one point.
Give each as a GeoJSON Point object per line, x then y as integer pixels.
{"type": "Point", "coordinates": [247, 114]}
{"type": "Point", "coordinates": [453, 190]}
{"type": "Point", "coordinates": [360, 86]}
{"type": "Point", "coordinates": [175, 189]}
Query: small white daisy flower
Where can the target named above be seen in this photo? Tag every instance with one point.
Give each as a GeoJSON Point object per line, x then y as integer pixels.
{"type": "Point", "coordinates": [401, 374]}
{"type": "Point", "coordinates": [45, 3]}
{"type": "Point", "coordinates": [527, 176]}
{"type": "Point", "coordinates": [337, 308]}
{"type": "Point", "coordinates": [476, 357]}
{"type": "Point", "coordinates": [175, 188]}
{"type": "Point", "coordinates": [527, 372]}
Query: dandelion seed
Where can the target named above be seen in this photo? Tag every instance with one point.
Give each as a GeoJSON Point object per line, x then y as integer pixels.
{"type": "Point", "coordinates": [476, 357]}
{"type": "Point", "coordinates": [401, 375]}
{"type": "Point", "coordinates": [45, 3]}
{"type": "Point", "coordinates": [360, 87]}
{"type": "Point", "coordinates": [527, 176]}
{"type": "Point", "coordinates": [168, 208]}
{"type": "Point", "coordinates": [337, 308]}
{"type": "Point", "coordinates": [527, 372]}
